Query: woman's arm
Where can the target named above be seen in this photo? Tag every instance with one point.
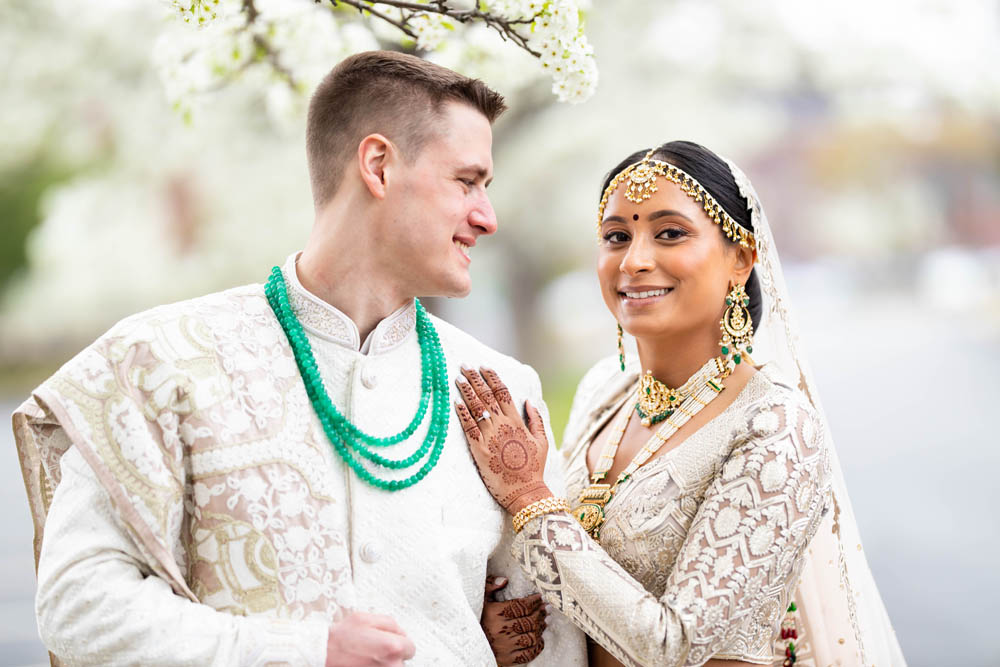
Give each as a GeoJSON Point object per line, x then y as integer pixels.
{"type": "Point", "coordinates": [729, 587]}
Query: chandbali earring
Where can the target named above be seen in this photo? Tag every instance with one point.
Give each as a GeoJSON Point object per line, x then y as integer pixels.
{"type": "Point", "coordinates": [621, 348]}
{"type": "Point", "coordinates": [736, 325]}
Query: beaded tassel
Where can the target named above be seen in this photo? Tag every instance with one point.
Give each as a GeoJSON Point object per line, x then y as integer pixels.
{"type": "Point", "coordinates": [789, 632]}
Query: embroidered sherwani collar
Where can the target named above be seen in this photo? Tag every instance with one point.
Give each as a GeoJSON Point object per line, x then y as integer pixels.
{"type": "Point", "coordinates": [324, 320]}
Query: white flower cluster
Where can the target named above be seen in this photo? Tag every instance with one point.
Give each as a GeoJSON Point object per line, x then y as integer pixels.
{"type": "Point", "coordinates": [198, 12]}
{"type": "Point", "coordinates": [566, 52]}
{"type": "Point", "coordinates": [431, 29]}
{"type": "Point", "coordinates": [556, 34]}
{"type": "Point", "coordinates": [300, 39]}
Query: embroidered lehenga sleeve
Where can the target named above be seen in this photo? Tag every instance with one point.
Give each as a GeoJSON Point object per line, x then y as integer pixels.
{"type": "Point", "coordinates": [99, 604]}
{"type": "Point", "coordinates": [730, 583]}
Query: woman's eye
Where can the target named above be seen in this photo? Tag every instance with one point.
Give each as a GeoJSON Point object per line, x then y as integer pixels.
{"type": "Point", "coordinates": [673, 233]}
{"type": "Point", "coordinates": [616, 237]}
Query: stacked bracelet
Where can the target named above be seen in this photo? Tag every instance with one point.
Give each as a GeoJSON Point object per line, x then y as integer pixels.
{"type": "Point", "coordinates": [538, 508]}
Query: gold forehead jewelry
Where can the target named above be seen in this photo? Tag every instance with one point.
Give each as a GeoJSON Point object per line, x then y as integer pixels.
{"type": "Point", "coordinates": [641, 178]}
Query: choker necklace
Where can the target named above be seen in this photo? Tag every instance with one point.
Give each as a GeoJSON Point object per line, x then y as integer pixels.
{"type": "Point", "coordinates": [346, 438]}
{"type": "Point", "coordinates": [705, 385]}
{"type": "Point", "coordinates": [656, 401]}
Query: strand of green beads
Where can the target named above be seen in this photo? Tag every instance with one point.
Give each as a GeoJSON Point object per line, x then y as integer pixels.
{"type": "Point", "coordinates": [278, 298]}
{"type": "Point", "coordinates": [339, 429]}
{"type": "Point", "coordinates": [429, 438]}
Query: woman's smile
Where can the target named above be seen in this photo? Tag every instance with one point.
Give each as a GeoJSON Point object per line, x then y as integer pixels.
{"type": "Point", "coordinates": [642, 296]}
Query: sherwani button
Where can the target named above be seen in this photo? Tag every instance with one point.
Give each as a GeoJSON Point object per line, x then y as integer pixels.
{"type": "Point", "coordinates": [370, 552]}
{"type": "Point", "coordinates": [368, 377]}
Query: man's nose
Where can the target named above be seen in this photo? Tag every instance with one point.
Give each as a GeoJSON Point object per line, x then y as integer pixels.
{"type": "Point", "coordinates": [483, 217]}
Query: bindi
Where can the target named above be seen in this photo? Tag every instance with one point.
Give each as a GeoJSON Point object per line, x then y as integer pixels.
{"type": "Point", "coordinates": [635, 216]}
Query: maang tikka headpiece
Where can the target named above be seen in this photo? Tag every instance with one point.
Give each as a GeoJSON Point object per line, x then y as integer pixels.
{"type": "Point", "coordinates": [641, 178]}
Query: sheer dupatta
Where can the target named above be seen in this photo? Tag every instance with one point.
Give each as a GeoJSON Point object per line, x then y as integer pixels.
{"type": "Point", "coordinates": [840, 617]}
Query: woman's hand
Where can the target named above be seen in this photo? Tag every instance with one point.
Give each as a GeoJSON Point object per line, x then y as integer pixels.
{"type": "Point", "coordinates": [509, 453]}
{"type": "Point", "coordinates": [513, 627]}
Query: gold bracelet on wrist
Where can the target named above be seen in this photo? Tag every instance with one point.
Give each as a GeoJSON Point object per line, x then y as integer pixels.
{"type": "Point", "coordinates": [538, 508]}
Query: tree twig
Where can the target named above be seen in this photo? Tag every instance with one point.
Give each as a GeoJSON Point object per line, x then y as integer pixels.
{"type": "Point", "coordinates": [507, 28]}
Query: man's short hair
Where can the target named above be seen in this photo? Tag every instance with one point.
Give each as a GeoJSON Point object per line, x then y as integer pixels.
{"type": "Point", "coordinates": [394, 94]}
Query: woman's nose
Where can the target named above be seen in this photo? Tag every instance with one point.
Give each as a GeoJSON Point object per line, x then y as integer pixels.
{"type": "Point", "coordinates": [638, 258]}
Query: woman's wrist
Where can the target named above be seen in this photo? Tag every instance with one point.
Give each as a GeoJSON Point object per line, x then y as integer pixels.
{"type": "Point", "coordinates": [538, 508]}
{"type": "Point", "coordinates": [537, 493]}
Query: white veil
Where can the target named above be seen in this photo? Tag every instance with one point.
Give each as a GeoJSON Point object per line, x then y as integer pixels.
{"type": "Point", "coordinates": [840, 616]}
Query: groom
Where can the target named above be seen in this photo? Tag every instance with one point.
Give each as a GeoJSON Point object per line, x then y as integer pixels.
{"type": "Point", "coordinates": [189, 504]}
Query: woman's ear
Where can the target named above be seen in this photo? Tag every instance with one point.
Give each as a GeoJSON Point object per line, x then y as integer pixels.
{"type": "Point", "coordinates": [743, 264]}
{"type": "Point", "coordinates": [373, 154]}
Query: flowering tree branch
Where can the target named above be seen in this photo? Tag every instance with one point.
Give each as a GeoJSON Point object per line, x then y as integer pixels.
{"type": "Point", "coordinates": [298, 40]}
{"type": "Point", "coordinates": [506, 27]}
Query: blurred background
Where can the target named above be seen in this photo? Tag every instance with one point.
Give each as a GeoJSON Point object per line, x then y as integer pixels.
{"type": "Point", "coordinates": [870, 129]}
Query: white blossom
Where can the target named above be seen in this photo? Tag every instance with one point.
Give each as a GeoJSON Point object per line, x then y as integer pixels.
{"type": "Point", "coordinates": [431, 30]}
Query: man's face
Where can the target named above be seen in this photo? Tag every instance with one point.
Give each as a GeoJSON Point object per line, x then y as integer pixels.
{"type": "Point", "coordinates": [437, 205]}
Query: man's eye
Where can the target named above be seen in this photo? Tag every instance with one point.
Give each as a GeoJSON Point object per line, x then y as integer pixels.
{"type": "Point", "coordinates": [468, 182]}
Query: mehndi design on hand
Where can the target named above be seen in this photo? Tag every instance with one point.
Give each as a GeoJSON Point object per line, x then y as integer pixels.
{"type": "Point", "coordinates": [513, 627]}
{"type": "Point", "coordinates": [513, 457]}
{"type": "Point", "coordinates": [509, 451]}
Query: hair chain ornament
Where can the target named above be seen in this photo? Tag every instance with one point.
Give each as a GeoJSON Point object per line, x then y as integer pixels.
{"type": "Point", "coordinates": [593, 499]}
{"type": "Point", "coordinates": [641, 184]}
{"type": "Point", "coordinates": [736, 325]}
{"type": "Point", "coordinates": [347, 439]}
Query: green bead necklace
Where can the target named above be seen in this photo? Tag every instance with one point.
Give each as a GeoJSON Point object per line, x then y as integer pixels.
{"type": "Point", "coordinates": [347, 439]}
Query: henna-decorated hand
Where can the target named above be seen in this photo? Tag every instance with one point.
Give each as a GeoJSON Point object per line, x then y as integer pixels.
{"type": "Point", "coordinates": [513, 627]}
{"type": "Point", "coordinates": [509, 453]}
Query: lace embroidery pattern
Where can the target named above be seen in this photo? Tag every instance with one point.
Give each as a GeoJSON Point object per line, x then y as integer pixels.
{"type": "Point", "coordinates": [322, 319]}
{"type": "Point", "coordinates": [399, 327]}
{"type": "Point", "coordinates": [319, 319]}
{"type": "Point", "coordinates": [730, 536]}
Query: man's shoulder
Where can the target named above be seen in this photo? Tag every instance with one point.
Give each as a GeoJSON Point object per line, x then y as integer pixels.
{"type": "Point", "coordinates": [466, 349]}
{"type": "Point", "coordinates": [245, 299]}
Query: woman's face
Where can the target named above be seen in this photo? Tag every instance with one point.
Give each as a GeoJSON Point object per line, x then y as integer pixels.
{"type": "Point", "coordinates": [664, 266]}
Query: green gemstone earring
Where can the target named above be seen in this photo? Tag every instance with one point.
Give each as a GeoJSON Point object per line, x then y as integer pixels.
{"type": "Point", "coordinates": [621, 349]}
{"type": "Point", "coordinates": [736, 325]}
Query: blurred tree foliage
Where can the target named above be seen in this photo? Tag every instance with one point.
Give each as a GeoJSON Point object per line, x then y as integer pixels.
{"type": "Point", "coordinates": [21, 189]}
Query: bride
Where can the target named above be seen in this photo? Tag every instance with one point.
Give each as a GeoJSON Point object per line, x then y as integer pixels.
{"type": "Point", "coordinates": [707, 521]}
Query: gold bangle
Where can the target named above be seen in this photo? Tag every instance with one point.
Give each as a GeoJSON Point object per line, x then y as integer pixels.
{"type": "Point", "coordinates": [538, 508]}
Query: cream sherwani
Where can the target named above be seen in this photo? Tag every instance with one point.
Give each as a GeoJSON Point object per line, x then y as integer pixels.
{"type": "Point", "coordinates": [189, 508]}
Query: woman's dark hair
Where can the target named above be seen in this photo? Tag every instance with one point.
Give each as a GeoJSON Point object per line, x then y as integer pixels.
{"type": "Point", "coordinates": [714, 175]}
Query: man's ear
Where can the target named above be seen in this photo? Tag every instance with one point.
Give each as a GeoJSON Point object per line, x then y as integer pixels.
{"type": "Point", "coordinates": [373, 154]}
